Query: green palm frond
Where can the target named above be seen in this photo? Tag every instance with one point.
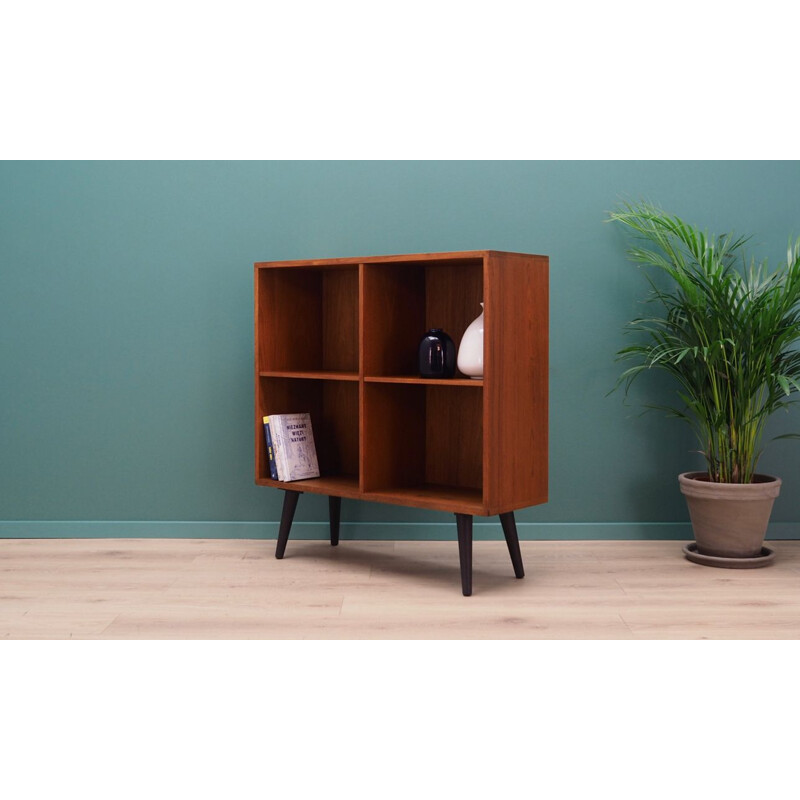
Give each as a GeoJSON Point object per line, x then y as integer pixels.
{"type": "Point", "coordinates": [728, 332]}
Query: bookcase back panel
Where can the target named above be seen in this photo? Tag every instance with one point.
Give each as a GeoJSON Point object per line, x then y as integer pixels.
{"type": "Point", "coordinates": [454, 436]}
{"type": "Point", "coordinates": [338, 445]}
{"type": "Point", "coordinates": [453, 296]}
{"type": "Point", "coordinates": [420, 435]}
{"type": "Point", "coordinates": [394, 451]}
{"type": "Point", "coordinates": [289, 319]}
{"type": "Point", "coordinates": [393, 318]}
{"type": "Point", "coordinates": [308, 319]}
{"type": "Point", "coordinates": [403, 301]}
{"type": "Point", "coordinates": [340, 319]}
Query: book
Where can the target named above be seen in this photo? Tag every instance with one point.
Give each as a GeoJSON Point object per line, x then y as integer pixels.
{"type": "Point", "coordinates": [293, 443]}
{"type": "Point", "coordinates": [273, 466]}
{"type": "Point", "coordinates": [276, 448]}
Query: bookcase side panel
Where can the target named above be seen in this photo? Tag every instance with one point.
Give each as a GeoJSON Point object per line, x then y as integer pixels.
{"type": "Point", "coordinates": [516, 351]}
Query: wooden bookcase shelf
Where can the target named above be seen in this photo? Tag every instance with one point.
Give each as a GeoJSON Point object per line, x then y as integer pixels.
{"type": "Point", "coordinates": [338, 338]}
{"type": "Point", "coordinates": [319, 374]}
{"type": "Point", "coordinates": [426, 381]}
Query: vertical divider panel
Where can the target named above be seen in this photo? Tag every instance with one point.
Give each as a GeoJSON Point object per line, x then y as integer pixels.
{"type": "Point", "coordinates": [488, 400]}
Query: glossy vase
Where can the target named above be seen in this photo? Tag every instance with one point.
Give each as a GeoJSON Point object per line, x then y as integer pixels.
{"type": "Point", "coordinates": [470, 351]}
{"type": "Point", "coordinates": [437, 355]}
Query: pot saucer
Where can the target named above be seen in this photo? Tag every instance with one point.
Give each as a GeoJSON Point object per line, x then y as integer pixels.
{"type": "Point", "coordinates": [767, 557]}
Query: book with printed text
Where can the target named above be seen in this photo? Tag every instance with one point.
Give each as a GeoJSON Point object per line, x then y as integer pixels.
{"type": "Point", "coordinates": [293, 443]}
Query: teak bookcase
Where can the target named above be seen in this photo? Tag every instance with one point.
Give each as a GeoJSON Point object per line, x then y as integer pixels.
{"type": "Point", "coordinates": [338, 338]}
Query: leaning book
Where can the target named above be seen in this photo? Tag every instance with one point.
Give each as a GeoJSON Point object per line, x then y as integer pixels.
{"type": "Point", "coordinates": [293, 441]}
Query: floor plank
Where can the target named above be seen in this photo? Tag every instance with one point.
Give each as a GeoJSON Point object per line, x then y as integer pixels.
{"type": "Point", "coordinates": [236, 589]}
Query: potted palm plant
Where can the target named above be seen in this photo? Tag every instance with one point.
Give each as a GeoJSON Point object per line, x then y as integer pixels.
{"type": "Point", "coordinates": [727, 331]}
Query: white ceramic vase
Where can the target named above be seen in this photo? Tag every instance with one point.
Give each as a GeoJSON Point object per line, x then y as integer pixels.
{"type": "Point", "coordinates": [470, 351]}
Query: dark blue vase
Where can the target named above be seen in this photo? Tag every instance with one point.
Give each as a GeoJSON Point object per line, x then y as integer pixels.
{"type": "Point", "coordinates": [437, 355]}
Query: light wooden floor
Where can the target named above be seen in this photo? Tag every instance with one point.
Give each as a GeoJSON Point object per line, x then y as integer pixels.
{"type": "Point", "coordinates": [236, 589]}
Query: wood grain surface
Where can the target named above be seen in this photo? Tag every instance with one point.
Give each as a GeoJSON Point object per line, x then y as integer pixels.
{"type": "Point", "coordinates": [236, 589]}
{"type": "Point", "coordinates": [472, 447]}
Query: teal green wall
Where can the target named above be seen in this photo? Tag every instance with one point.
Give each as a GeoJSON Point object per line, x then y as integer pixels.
{"type": "Point", "coordinates": [126, 331]}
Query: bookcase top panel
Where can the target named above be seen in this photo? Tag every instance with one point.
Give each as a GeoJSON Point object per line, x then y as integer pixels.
{"type": "Point", "coordinates": [464, 255]}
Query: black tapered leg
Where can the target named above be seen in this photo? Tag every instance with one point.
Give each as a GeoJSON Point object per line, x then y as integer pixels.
{"type": "Point", "coordinates": [464, 525]}
{"type": "Point", "coordinates": [287, 515]}
{"type": "Point", "coordinates": [512, 540]}
{"type": "Point", "coordinates": [334, 508]}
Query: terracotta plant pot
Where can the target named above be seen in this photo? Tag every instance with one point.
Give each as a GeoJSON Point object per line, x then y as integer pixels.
{"type": "Point", "coordinates": [729, 519]}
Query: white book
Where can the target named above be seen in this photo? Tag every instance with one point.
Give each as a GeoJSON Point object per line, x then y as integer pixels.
{"type": "Point", "coordinates": [274, 429]}
{"type": "Point", "coordinates": [293, 440]}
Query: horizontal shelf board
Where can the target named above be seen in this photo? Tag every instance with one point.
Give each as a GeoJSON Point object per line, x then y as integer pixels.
{"type": "Point", "coordinates": [475, 255]}
{"type": "Point", "coordinates": [333, 375]}
{"type": "Point", "coordinates": [329, 263]}
{"type": "Point", "coordinates": [433, 496]}
{"type": "Point", "coordinates": [335, 485]}
{"type": "Point", "coordinates": [319, 374]}
{"type": "Point", "coordinates": [430, 258]}
{"type": "Point", "coordinates": [432, 381]}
